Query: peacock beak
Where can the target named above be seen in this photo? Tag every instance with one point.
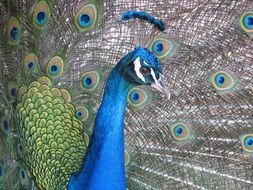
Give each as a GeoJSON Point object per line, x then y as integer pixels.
{"type": "Point", "coordinates": [159, 84]}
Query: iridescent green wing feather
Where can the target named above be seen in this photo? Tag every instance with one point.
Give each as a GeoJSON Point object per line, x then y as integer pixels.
{"type": "Point", "coordinates": [50, 134]}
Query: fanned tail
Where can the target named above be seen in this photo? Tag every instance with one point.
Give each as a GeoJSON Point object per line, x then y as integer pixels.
{"type": "Point", "coordinates": [200, 139]}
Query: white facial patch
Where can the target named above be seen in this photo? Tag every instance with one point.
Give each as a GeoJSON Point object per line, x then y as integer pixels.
{"type": "Point", "coordinates": [137, 66]}
{"type": "Point", "coordinates": [154, 77]}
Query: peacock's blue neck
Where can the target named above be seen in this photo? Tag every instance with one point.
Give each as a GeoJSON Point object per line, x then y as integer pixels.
{"type": "Point", "coordinates": [104, 165]}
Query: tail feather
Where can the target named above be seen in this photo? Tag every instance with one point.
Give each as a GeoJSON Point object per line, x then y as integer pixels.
{"type": "Point", "coordinates": [193, 141]}
{"type": "Point", "coordinates": [13, 174]}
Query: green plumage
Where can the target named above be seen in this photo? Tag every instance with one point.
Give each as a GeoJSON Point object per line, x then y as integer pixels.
{"type": "Point", "coordinates": [51, 135]}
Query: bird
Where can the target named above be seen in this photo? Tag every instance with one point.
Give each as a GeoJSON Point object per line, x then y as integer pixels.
{"type": "Point", "coordinates": [125, 94]}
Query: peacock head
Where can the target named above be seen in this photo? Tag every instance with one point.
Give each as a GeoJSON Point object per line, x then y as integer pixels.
{"type": "Point", "coordinates": [141, 67]}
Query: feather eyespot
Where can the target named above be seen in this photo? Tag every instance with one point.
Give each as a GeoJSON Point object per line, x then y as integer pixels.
{"type": "Point", "coordinates": [247, 143]}
{"type": "Point", "coordinates": [86, 17]}
{"type": "Point", "coordinates": [222, 81]}
{"type": "Point", "coordinates": [55, 67]}
{"type": "Point", "coordinates": [30, 63]}
{"type": "Point", "coordinates": [12, 88]}
{"type": "Point", "coordinates": [246, 22]}
{"type": "Point", "coordinates": [180, 131]}
{"type": "Point", "coordinates": [162, 47]}
{"type": "Point", "coordinates": [5, 127]}
{"type": "Point", "coordinates": [90, 80]}
{"type": "Point", "coordinates": [41, 14]}
{"type": "Point", "coordinates": [23, 177]}
{"type": "Point", "coordinates": [82, 113]}
{"type": "Point", "coordinates": [13, 30]}
{"type": "Point", "coordinates": [137, 97]}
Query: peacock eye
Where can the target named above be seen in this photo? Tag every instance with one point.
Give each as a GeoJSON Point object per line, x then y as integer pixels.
{"type": "Point", "coordinates": [12, 89]}
{"type": "Point", "coordinates": [5, 127]}
{"type": "Point", "coordinates": [137, 97]}
{"type": "Point", "coordinates": [223, 81]}
{"type": "Point", "coordinates": [247, 143]}
{"type": "Point", "coordinates": [86, 17]}
{"type": "Point", "coordinates": [90, 80]}
{"type": "Point", "coordinates": [23, 177]}
{"type": "Point", "coordinates": [145, 70]}
{"type": "Point", "coordinates": [41, 14]}
{"type": "Point", "coordinates": [180, 131]}
{"type": "Point", "coordinates": [246, 22]}
{"type": "Point", "coordinates": [30, 63]}
{"type": "Point", "coordinates": [162, 47]}
{"type": "Point", "coordinates": [82, 113]}
{"type": "Point", "coordinates": [55, 67]}
{"type": "Point", "coordinates": [13, 30]}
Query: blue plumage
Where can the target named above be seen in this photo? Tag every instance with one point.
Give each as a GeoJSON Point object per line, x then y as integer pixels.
{"type": "Point", "coordinates": [105, 160]}
{"type": "Point", "coordinates": [143, 16]}
{"type": "Point", "coordinates": [104, 165]}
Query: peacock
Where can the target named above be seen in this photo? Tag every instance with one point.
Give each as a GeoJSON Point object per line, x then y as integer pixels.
{"type": "Point", "coordinates": [126, 94]}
